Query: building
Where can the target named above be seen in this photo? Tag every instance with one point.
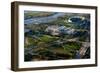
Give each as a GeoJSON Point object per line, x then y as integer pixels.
{"type": "Point", "coordinates": [58, 30]}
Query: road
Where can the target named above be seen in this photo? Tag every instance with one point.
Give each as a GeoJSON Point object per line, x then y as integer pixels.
{"type": "Point", "coordinates": [84, 48]}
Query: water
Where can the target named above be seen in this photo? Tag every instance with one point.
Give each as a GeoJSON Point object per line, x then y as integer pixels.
{"type": "Point", "coordinates": [47, 19]}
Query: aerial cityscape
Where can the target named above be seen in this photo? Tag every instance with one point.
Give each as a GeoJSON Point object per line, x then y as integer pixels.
{"type": "Point", "coordinates": [56, 36]}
